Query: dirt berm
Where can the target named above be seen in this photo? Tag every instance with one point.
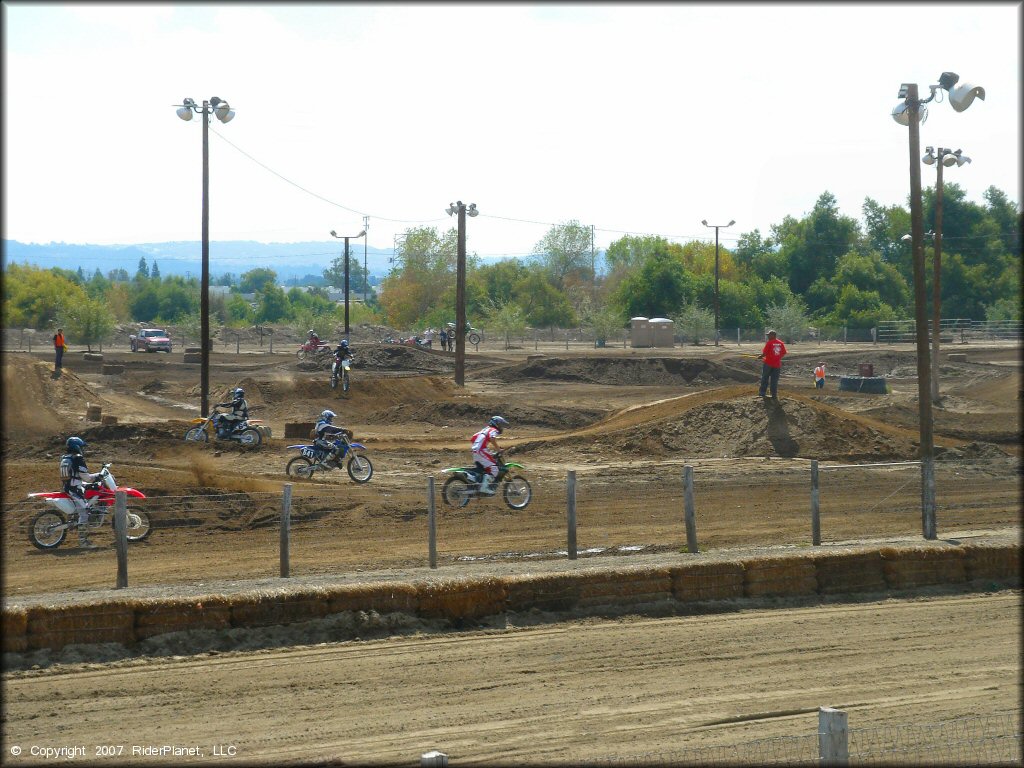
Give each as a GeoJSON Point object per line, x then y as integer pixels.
{"type": "Point", "coordinates": [240, 615]}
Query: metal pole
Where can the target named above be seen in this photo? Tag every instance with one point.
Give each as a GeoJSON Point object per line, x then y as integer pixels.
{"type": "Point", "coordinates": [460, 301]}
{"type": "Point", "coordinates": [121, 537]}
{"type": "Point", "coordinates": [571, 513]}
{"type": "Point", "coordinates": [716, 286]}
{"type": "Point", "coordinates": [431, 524]}
{"type": "Point", "coordinates": [691, 510]}
{"type": "Point", "coordinates": [924, 391]}
{"type": "Point", "coordinates": [366, 270]}
{"type": "Point", "coordinates": [346, 288]}
{"type": "Point", "coordinates": [815, 505]}
{"type": "Point", "coordinates": [937, 280]}
{"type": "Point", "coordinates": [204, 308]}
{"type": "Point", "coordinates": [286, 529]}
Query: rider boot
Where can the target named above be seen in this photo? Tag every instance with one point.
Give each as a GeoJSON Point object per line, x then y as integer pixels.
{"type": "Point", "coordinates": [486, 487]}
{"type": "Point", "coordinates": [83, 540]}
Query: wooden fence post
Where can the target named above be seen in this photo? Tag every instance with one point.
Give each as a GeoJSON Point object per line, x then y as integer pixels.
{"type": "Point", "coordinates": [571, 513]}
{"type": "Point", "coordinates": [691, 510]}
{"type": "Point", "coordinates": [286, 529]}
{"type": "Point", "coordinates": [928, 498]}
{"type": "Point", "coordinates": [121, 537]}
{"type": "Point", "coordinates": [833, 737]}
{"type": "Point", "coordinates": [431, 524]}
{"type": "Point", "coordinates": [815, 505]}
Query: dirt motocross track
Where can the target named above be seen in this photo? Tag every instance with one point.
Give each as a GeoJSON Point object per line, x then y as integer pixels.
{"type": "Point", "coordinates": [534, 688]}
{"type": "Point", "coordinates": [627, 420]}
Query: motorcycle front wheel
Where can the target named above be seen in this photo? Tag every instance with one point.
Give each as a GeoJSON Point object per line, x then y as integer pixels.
{"type": "Point", "coordinates": [138, 525]}
{"type": "Point", "coordinates": [359, 468]}
{"type": "Point", "coordinates": [47, 530]}
{"type": "Point", "coordinates": [517, 493]}
{"type": "Point", "coordinates": [334, 382]}
{"type": "Point", "coordinates": [455, 492]}
{"type": "Point", "coordinates": [300, 466]}
{"type": "Point", "coordinates": [197, 434]}
{"type": "Point", "coordinates": [474, 338]}
{"type": "Point", "coordinates": [301, 354]}
{"type": "Point", "coordinates": [344, 381]}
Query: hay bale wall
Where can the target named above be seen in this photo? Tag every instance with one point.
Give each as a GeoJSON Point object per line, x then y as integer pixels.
{"type": "Point", "coordinates": [708, 581]}
{"type": "Point", "coordinates": [455, 600]}
{"type": "Point", "coordinates": [906, 567]}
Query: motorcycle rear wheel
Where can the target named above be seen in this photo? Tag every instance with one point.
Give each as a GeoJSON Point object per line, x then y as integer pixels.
{"type": "Point", "coordinates": [250, 436]}
{"type": "Point", "coordinates": [455, 492]}
{"type": "Point", "coordinates": [360, 469]}
{"type": "Point", "coordinates": [517, 492]}
{"type": "Point", "coordinates": [44, 532]}
{"type": "Point", "coordinates": [300, 466]}
{"type": "Point", "coordinates": [197, 434]}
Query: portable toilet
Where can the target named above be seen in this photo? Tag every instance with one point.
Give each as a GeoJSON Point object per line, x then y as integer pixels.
{"type": "Point", "coordinates": [662, 332]}
{"type": "Point", "coordinates": [640, 332]}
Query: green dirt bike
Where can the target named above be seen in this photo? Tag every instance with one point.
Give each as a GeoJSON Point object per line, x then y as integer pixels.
{"type": "Point", "coordinates": [464, 485]}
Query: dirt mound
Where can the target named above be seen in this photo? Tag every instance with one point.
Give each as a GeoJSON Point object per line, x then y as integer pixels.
{"type": "Point", "coordinates": [654, 371]}
{"type": "Point", "coordinates": [396, 357]}
{"type": "Point", "coordinates": [35, 399]}
{"type": "Point", "coordinates": [729, 422]}
{"type": "Point", "coordinates": [461, 412]}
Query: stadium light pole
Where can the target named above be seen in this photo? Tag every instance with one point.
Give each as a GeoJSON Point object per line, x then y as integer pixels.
{"type": "Point", "coordinates": [911, 112]}
{"type": "Point", "coordinates": [941, 157]}
{"type": "Point", "coordinates": [224, 113]}
{"type": "Point", "coordinates": [462, 211]}
{"type": "Point", "coordinates": [717, 227]}
{"type": "Point", "coordinates": [346, 239]}
{"type": "Point", "coordinates": [366, 271]}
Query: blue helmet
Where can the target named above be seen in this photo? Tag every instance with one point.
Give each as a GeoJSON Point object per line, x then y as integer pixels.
{"type": "Point", "coordinates": [344, 343]}
{"type": "Point", "coordinates": [238, 393]}
{"type": "Point", "coordinates": [327, 416]}
{"type": "Point", "coordinates": [76, 445]}
{"type": "Point", "coordinates": [498, 423]}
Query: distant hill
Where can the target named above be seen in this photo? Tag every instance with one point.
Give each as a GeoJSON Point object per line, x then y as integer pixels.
{"type": "Point", "coordinates": [290, 261]}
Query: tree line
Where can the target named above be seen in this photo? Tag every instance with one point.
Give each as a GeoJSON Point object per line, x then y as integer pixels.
{"type": "Point", "coordinates": [824, 268]}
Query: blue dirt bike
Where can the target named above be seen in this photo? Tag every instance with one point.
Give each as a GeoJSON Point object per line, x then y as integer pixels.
{"type": "Point", "coordinates": [464, 485]}
{"type": "Point", "coordinates": [312, 459]}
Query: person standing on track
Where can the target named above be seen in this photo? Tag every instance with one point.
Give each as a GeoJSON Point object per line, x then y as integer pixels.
{"type": "Point", "coordinates": [819, 376]}
{"type": "Point", "coordinates": [60, 346]}
{"type": "Point", "coordinates": [772, 354]}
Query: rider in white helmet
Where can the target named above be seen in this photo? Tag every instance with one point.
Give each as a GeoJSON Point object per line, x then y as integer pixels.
{"type": "Point", "coordinates": [484, 446]}
{"type": "Point", "coordinates": [326, 432]}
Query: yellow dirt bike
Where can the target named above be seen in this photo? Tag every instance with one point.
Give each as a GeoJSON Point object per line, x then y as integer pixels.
{"type": "Point", "coordinates": [247, 432]}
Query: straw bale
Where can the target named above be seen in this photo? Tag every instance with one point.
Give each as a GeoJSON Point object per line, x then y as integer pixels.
{"type": "Point", "coordinates": [907, 567]}
{"type": "Point", "coordinates": [14, 630]}
{"type": "Point", "coordinates": [268, 610]}
{"type": "Point", "coordinates": [463, 599]}
{"type": "Point", "coordinates": [774, 576]}
{"type": "Point", "coordinates": [991, 562]}
{"type": "Point", "coordinates": [52, 626]}
{"type": "Point", "coordinates": [544, 593]}
{"type": "Point", "coordinates": [708, 581]}
{"type": "Point", "coordinates": [840, 572]}
{"type": "Point", "coordinates": [654, 582]}
{"type": "Point", "coordinates": [383, 597]}
{"type": "Point", "coordinates": [159, 617]}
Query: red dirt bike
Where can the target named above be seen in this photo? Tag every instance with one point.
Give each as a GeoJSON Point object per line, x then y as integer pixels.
{"type": "Point", "coordinates": [51, 526]}
{"type": "Point", "coordinates": [313, 349]}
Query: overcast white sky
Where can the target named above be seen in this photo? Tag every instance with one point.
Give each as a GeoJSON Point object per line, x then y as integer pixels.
{"type": "Point", "coordinates": [632, 118]}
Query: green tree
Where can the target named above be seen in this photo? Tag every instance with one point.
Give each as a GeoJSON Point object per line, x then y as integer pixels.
{"type": "Point", "coordinates": [119, 275]}
{"type": "Point", "coordinates": [1003, 310]}
{"type": "Point", "coordinates": [505, 317]}
{"type": "Point", "coordinates": [142, 273]}
{"type": "Point", "coordinates": [88, 320]}
{"type": "Point", "coordinates": [658, 289]}
{"type": "Point", "coordinates": [567, 253]}
{"type": "Point", "coordinates": [239, 312]}
{"type": "Point", "coordinates": [544, 305]}
{"type": "Point", "coordinates": [272, 305]}
{"type": "Point", "coordinates": [695, 322]}
{"type": "Point", "coordinates": [155, 271]}
{"type": "Point", "coordinates": [631, 251]}
{"type": "Point", "coordinates": [358, 278]}
{"type": "Point", "coordinates": [257, 280]}
{"type": "Point", "coordinates": [814, 243]}
{"type": "Point", "coordinates": [424, 278]}
{"type": "Point", "coordinates": [789, 320]}
{"type": "Point", "coordinates": [33, 297]}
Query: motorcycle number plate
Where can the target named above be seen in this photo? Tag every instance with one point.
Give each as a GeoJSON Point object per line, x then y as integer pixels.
{"type": "Point", "coordinates": [309, 453]}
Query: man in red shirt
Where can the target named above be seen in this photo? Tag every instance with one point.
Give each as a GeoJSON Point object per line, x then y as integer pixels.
{"type": "Point", "coordinates": [772, 354]}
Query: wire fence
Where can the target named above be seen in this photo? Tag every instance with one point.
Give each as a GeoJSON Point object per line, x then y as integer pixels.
{"type": "Point", "coordinates": [338, 526]}
{"type": "Point", "coordinates": [980, 740]}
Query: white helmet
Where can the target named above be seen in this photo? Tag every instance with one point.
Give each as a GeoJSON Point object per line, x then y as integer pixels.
{"type": "Point", "coordinates": [327, 416]}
